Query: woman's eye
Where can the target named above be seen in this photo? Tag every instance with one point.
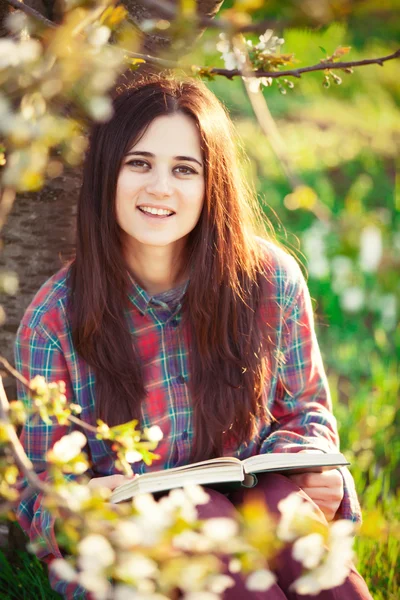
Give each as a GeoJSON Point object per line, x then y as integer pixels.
{"type": "Point", "coordinates": [186, 170]}
{"type": "Point", "coordinates": [137, 163]}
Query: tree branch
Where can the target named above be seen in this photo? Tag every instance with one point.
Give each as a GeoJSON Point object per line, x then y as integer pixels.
{"type": "Point", "coordinates": [31, 12]}
{"type": "Point", "coordinates": [319, 67]}
{"type": "Point", "coordinates": [17, 450]}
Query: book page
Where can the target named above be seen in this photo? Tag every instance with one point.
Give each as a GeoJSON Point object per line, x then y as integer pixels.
{"type": "Point", "coordinates": [281, 461]}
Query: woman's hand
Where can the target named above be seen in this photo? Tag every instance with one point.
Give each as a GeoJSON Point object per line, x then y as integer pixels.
{"type": "Point", "coordinates": [110, 481]}
{"type": "Point", "coordinates": [325, 489]}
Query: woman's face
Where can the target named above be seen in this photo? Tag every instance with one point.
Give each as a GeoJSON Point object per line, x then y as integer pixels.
{"type": "Point", "coordinates": [160, 187]}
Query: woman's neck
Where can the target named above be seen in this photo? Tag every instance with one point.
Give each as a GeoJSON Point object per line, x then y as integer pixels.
{"type": "Point", "coordinates": [156, 268]}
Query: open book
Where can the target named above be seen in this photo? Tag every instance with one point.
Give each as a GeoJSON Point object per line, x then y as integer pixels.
{"type": "Point", "coordinates": [226, 470]}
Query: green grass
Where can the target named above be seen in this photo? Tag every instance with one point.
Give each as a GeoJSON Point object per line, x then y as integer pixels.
{"type": "Point", "coordinates": [24, 577]}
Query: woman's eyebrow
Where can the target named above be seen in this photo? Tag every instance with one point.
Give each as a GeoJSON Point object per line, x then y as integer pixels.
{"type": "Point", "coordinates": [151, 155]}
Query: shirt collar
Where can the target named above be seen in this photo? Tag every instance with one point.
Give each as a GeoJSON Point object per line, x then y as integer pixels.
{"type": "Point", "coordinates": [141, 299]}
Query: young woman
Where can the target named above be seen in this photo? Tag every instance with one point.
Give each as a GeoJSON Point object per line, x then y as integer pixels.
{"type": "Point", "coordinates": [175, 313]}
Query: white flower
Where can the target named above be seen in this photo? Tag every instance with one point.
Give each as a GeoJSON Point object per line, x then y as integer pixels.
{"type": "Point", "coordinates": [336, 565]}
{"type": "Point", "coordinates": [63, 569]}
{"type": "Point", "coordinates": [260, 581]}
{"type": "Point", "coordinates": [269, 43]}
{"type": "Point", "coordinates": [223, 45]}
{"type": "Point", "coordinates": [153, 434]}
{"type": "Point", "coordinates": [95, 553]}
{"type": "Point", "coordinates": [371, 247]}
{"type": "Point", "coordinates": [230, 61]}
{"type": "Point", "coordinates": [309, 550]}
{"type": "Point", "coordinates": [100, 108]}
{"type": "Point", "coordinates": [294, 509]}
{"type": "Point", "coordinates": [8, 53]}
{"type": "Point", "coordinates": [69, 446]}
{"type": "Point", "coordinates": [219, 583]}
{"type": "Point", "coordinates": [193, 576]}
{"type": "Point", "coordinates": [99, 36]}
{"type": "Point", "coordinates": [96, 583]}
{"type": "Point", "coordinates": [153, 518]}
{"type": "Point", "coordinates": [196, 494]}
{"type": "Point", "coordinates": [235, 565]}
{"type": "Point", "coordinates": [191, 541]}
{"type": "Point", "coordinates": [132, 566]}
{"type": "Point", "coordinates": [29, 50]}
{"type": "Point", "coordinates": [352, 299]}
{"type": "Point", "coordinates": [126, 534]}
{"type": "Point", "coordinates": [220, 529]}
{"type": "Point", "coordinates": [178, 500]}
{"type": "Point", "coordinates": [75, 495]}
{"type": "Point", "coordinates": [133, 456]}
{"type": "Point", "coordinates": [253, 84]}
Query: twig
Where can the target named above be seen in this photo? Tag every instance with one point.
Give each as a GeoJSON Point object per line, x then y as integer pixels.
{"type": "Point", "coordinates": [319, 67]}
{"type": "Point", "coordinates": [14, 372]}
{"type": "Point", "coordinates": [6, 203]}
{"type": "Point", "coordinates": [31, 12]}
{"type": "Point", "coordinates": [17, 450]}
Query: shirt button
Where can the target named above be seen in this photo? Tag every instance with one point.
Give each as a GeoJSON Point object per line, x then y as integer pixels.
{"type": "Point", "coordinates": [181, 379]}
{"type": "Point", "coordinates": [174, 323]}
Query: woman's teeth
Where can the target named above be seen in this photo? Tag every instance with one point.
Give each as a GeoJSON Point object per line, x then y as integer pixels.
{"type": "Point", "coordinates": [162, 212]}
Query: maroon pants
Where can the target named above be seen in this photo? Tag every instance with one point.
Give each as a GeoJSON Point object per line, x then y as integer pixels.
{"type": "Point", "coordinates": [274, 488]}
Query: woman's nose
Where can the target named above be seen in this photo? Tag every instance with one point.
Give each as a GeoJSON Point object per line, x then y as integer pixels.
{"type": "Point", "coordinates": [160, 184]}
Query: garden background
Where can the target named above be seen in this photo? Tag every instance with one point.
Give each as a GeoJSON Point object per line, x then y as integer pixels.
{"type": "Point", "coordinates": [344, 143]}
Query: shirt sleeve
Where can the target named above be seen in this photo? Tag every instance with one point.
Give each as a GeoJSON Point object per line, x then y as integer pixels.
{"type": "Point", "coordinates": [302, 407]}
{"type": "Point", "coordinates": [37, 354]}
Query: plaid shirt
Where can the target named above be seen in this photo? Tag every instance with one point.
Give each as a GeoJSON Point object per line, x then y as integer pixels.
{"type": "Point", "coordinates": [298, 395]}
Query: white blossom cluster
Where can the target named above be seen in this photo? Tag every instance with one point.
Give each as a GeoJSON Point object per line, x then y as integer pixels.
{"type": "Point", "coordinates": [75, 67]}
{"type": "Point", "coordinates": [326, 560]}
{"type": "Point", "coordinates": [234, 59]}
{"type": "Point", "coordinates": [161, 545]}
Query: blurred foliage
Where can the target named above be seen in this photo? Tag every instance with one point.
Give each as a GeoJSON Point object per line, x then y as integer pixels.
{"type": "Point", "coordinates": [344, 143]}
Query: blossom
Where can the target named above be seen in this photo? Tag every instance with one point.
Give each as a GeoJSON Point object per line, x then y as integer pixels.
{"type": "Point", "coordinates": [192, 541]}
{"type": "Point", "coordinates": [335, 565]}
{"type": "Point", "coordinates": [153, 434]}
{"type": "Point", "coordinates": [309, 550]}
{"type": "Point", "coordinates": [260, 580]}
{"type": "Point", "coordinates": [63, 569]}
{"type": "Point", "coordinates": [196, 494]}
{"type": "Point", "coordinates": [132, 566]}
{"type": "Point", "coordinates": [294, 511]}
{"type": "Point", "coordinates": [269, 43]}
{"type": "Point", "coordinates": [219, 583]}
{"type": "Point", "coordinates": [220, 529]}
{"type": "Point", "coordinates": [370, 248]}
{"type": "Point", "coordinates": [126, 534]}
{"type": "Point", "coordinates": [133, 456]}
{"type": "Point", "coordinates": [95, 553]}
{"type": "Point", "coordinates": [100, 108]}
{"type": "Point", "coordinates": [99, 36]}
{"type": "Point", "coordinates": [68, 447]}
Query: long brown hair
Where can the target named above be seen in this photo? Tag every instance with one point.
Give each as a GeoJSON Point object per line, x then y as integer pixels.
{"type": "Point", "coordinates": [230, 345]}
